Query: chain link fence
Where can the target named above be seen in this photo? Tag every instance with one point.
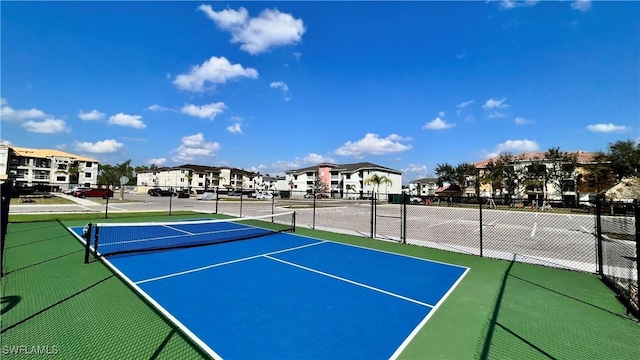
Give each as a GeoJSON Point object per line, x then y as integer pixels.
{"type": "Point", "coordinates": [597, 238]}
{"type": "Point", "coordinates": [618, 229]}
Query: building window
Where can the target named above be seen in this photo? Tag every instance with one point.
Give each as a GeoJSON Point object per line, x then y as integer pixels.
{"type": "Point", "coordinates": [61, 178]}
{"type": "Point", "coordinates": [88, 164]}
{"type": "Point", "coordinates": [348, 176]}
{"type": "Point", "coordinates": [87, 175]}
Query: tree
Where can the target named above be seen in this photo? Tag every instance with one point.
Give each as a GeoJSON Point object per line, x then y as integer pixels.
{"type": "Point", "coordinates": [320, 186]}
{"type": "Point", "coordinates": [561, 167]}
{"type": "Point", "coordinates": [600, 171]}
{"type": "Point", "coordinates": [445, 173]}
{"type": "Point", "coordinates": [111, 174]}
{"type": "Point", "coordinates": [466, 173]}
{"type": "Point", "coordinates": [73, 170]}
{"type": "Point", "coordinates": [624, 158]}
{"type": "Point", "coordinates": [377, 180]}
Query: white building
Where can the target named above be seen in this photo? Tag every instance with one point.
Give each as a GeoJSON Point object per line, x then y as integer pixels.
{"type": "Point", "coordinates": [47, 167]}
{"type": "Point", "coordinates": [423, 187]}
{"type": "Point", "coordinates": [199, 178]}
{"type": "Point", "coordinates": [345, 180]}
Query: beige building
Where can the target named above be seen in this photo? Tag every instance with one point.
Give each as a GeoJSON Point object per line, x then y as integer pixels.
{"type": "Point", "coordinates": [47, 167]}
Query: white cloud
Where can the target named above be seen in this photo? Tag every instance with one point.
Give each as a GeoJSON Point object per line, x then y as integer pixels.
{"type": "Point", "coordinates": [9, 114]}
{"type": "Point", "coordinates": [122, 119]}
{"type": "Point", "coordinates": [227, 19]}
{"type": "Point", "coordinates": [514, 147]}
{"type": "Point", "coordinates": [491, 107]}
{"type": "Point", "coordinates": [100, 147]}
{"type": "Point", "coordinates": [512, 4]}
{"type": "Point", "coordinates": [271, 28]}
{"type": "Point", "coordinates": [372, 144]}
{"type": "Point", "coordinates": [46, 126]}
{"type": "Point", "coordinates": [522, 121]}
{"type": "Point", "coordinates": [92, 115]}
{"type": "Point", "coordinates": [415, 171]}
{"type": "Point", "coordinates": [216, 70]}
{"type": "Point", "coordinates": [194, 146]}
{"type": "Point", "coordinates": [317, 159]}
{"type": "Point", "coordinates": [158, 161]}
{"type": "Point", "coordinates": [441, 114]}
{"type": "Point", "coordinates": [606, 128]}
{"type": "Point", "coordinates": [235, 128]}
{"type": "Point", "coordinates": [297, 55]}
{"type": "Point", "coordinates": [205, 111]}
{"type": "Point", "coordinates": [281, 85]}
{"type": "Point", "coordinates": [437, 124]}
{"type": "Point", "coordinates": [4, 141]}
{"type": "Point", "coordinates": [492, 104]}
{"type": "Point", "coordinates": [464, 104]}
{"type": "Point", "coordinates": [581, 5]}
{"type": "Point", "coordinates": [156, 107]}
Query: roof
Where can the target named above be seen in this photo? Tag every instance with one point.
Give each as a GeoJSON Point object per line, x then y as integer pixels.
{"type": "Point", "coordinates": [48, 153]}
{"type": "Point", "coordinates": [351, 168]}
{"type": "Point", "coordinates": [627, 189]}
{"type": "Point", "coordinates": [424, 181]}
{"type": "Point", "coordinates": [582, 157]}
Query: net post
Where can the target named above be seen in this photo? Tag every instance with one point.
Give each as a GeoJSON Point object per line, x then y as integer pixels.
{"type": "Point", "coordinates": [95, 244]}
{"type": "Point", "coordinates": [87, 242]}
{"type": "Point", "coordinates": [293, 222]}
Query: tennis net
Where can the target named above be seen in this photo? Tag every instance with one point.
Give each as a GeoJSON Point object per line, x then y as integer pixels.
{"type": "Point", "coordinates": [104, 239]}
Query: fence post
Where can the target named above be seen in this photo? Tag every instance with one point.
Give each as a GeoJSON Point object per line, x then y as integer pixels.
{"type": "Point", "coordinates": [481, 235]}
{"type": "Point", "coordinates": [170, 199]}
{"type": "Point", "coordinates": [599, 260]}
{"type": "Point", "coordinates": [373, 216]}
{"type": "Point", "coordinates": [403, 217]}
{"type": "Point", "coordinates": [241, 191]}
{"type": "Point", "coordinates": [637, 208]}
{"type": "Point", "coordinates": [106, 207]}
{"type": "Point", "coordinates": [313, 221]}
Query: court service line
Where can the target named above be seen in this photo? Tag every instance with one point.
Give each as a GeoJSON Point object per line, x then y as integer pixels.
{"type": "Point", "coordinates": [225, 263]}
{"type": "Point", "coordinates": [176, 229]}
{"type": "Point", "coordinates": [350, 281]}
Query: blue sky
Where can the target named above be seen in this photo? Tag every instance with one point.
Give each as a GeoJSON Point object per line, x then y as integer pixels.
{"type": "Point", "coordinates": [271, 86]}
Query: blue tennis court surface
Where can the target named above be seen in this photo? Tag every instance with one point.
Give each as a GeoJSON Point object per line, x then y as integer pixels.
{"type": "Point", "coordinates": [288, 296]}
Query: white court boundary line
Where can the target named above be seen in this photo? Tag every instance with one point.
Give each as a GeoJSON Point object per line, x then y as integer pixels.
{"type": "Point", "coordinates": [352, 282]}
{"type": "Point", "coordinates": [422, 323]}
{"type": "Point", "coordinates": [398, 351]}
{"type": "Point", "coordinates": [185, 330]}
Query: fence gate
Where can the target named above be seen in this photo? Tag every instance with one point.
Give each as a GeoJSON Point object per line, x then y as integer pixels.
{"type": "Point", "coordinates": [388, 220]}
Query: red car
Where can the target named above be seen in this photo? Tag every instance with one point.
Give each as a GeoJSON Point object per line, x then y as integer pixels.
{"type": "Point", "coordinates": [93, 193]}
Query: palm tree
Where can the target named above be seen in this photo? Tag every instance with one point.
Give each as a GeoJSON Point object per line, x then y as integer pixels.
{"type": "Point", "coordinates": [377, 180]}
{"type": "Point", "coordinates": [350, 187]}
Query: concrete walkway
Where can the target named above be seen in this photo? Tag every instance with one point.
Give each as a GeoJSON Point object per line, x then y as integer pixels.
{"type": "Point", "coordinates": [77, 200]}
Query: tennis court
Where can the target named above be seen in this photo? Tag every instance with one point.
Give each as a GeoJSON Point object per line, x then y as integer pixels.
{"type": "Point", "coordinates": [276, 294]}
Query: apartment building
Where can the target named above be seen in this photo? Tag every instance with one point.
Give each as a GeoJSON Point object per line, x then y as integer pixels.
{"type": "Point", "coordinates": [580, 186]}
{"type": "Point", "coordinates": [423, 187]}
{"type": "Point", "coordinates": [344, 180]}
{"type": "Point", "coordinates": [55, 169]}
{"type": "Point", "coordinates": [199, 178]}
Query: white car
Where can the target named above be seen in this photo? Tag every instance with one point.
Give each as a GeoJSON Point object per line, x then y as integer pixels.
{"type": "Point", "coordinates": [264, 195]}
{"type": "Point", "coordinates": [75, 189]}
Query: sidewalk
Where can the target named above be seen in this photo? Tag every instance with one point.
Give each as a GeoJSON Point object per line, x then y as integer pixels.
{"type": "Point", "coordinates": [77, 200]}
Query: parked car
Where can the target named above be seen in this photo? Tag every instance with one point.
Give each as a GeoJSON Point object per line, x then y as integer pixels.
{"type": "Point", "coordinates": [184, 194]}
{"type": "Point", "coordinates": [94, 193]}
{"type": "Point", "coordinates": [264, 195]}
{"type": "Point", "coordinates": [75, 189]}
{"type": "Point", "coordinates": [322, 196]}
{"type": "Point", "coordinates": [160, 192]}
{"type": "Point", "coordinates": [309, 196]}
{"type": "Point", "coordinates": [415, 200]}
